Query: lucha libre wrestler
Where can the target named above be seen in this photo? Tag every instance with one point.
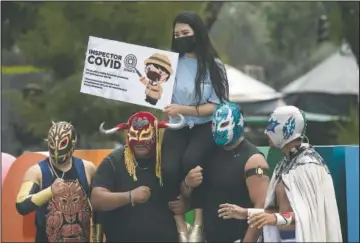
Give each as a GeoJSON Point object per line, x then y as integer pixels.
{"type": "Point", "coordinates": [58, 189]}
{"type": "Point", "coordinates": [236, 173]}
{"type": "Point", "coordinates": [127, 186]}
{"type": "Point", "coordinates": [300, 205]}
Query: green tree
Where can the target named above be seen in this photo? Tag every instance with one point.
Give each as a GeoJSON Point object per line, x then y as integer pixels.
{"type": "Point", "coordinates": [241, 34]}
{"type": "Point", "coordinates": [344, 23]}
{"type": "Point", "coordinates": [211, 12]}
{"type": "Point", "coordinates": [350, 24]}
{"type": "Point", "coordinates": [293, 34]}
{"type": "Point", "coordinates": [274, 35]}
{"type": "Point", "coordinates": [292, 27]}
{"type": "Point", "coordinates": [58, 40]}
{"type": "Point", "coordinates": [16, 19]}
{"type": "Point", "coordinates": [348, 130]}
{"type": "Point", "coordinates": [281, 36]}
{"type": "Point", "coordinates": [65, 103]}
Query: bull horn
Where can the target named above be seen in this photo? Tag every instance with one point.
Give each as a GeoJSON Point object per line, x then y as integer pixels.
{"type": "Point", "coordinates": [112, 130]}
{"type": "Point", "coordinates": [174, 126]}
{"type": "Point", "coordinates": [109, 131]}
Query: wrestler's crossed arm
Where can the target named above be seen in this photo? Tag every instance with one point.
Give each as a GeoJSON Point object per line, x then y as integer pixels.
{"type": "Point", "coordinates": [258, 217]}
{"type": "Point", "coordinates": [192, 180]}
{"type": "Point", "coordinates": [282, 220]}
{"type": "Point", "coordinates": [103, 197]}
{"type": "Point", "coordinates": [30, 197]}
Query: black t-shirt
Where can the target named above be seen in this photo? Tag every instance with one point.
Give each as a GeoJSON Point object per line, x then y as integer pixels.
{"type": "Point", "coordinates": [148, 222]}
{"type": "Point", "coordinates": [224, 182]}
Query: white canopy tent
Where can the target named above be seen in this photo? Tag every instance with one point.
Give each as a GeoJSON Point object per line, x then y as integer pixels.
{"type": "Point", "coordinates": [244, 88]}
{"type": "Point", "coordinates": [331, 88]}
{"type": "Point", "coordinates": [255, 97]}
{"type": "Point", "coordinates": [338, 74]}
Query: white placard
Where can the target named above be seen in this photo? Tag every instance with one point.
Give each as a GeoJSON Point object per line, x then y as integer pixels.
{"type": "Point", "coordinates": [126, 72]}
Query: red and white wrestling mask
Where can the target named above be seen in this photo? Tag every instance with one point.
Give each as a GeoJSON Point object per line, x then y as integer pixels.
{"type": "Point", "coordinates": [142, 131]}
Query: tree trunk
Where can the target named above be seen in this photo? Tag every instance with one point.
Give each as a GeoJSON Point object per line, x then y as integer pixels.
{"type": "Point", "coordinates": [350, 19]}
{"type": "Point", "coordinates": [211, 13]}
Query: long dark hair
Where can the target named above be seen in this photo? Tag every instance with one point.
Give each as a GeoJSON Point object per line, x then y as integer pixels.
{"type": "Point", "coordinates": [206, 57]}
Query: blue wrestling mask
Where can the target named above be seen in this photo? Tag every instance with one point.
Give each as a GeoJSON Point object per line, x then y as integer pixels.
{"type": "Point", "coordinates": [227, 123]}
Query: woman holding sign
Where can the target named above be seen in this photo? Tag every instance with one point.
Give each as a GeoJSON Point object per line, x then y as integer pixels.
{"type": "Point", "coordinates": [200, 84]}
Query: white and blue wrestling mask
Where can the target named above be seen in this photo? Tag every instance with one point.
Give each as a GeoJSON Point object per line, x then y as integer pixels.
{"type": "Point", "coordinates": [286, 124]}
{"type": "Point", "coordinates": [227, 123]}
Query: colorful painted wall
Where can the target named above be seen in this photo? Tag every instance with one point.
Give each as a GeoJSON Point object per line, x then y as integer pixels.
{"type": "Point", "coordinates": [343, 162]}
{"type": "Point", "coordinates": [352, 192]}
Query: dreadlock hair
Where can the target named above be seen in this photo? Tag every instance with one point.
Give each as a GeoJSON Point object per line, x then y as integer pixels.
{"type": "Point", "coordinates": [130, 161]}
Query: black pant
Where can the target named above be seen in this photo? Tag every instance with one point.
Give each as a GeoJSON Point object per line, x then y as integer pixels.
{"type": "Point", "coordinates": [183, 150]}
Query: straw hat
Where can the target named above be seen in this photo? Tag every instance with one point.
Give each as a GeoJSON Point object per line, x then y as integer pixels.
{"type": "Point", "coordinates": [161, 60]}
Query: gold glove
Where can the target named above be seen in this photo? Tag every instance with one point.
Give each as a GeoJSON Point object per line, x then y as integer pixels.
{"type": "Point", "coordinates": [183, 237]}
{"type": "Point", "coordinates": [196, 234]}
{"type": "Point", "coordinates": [97, 233]}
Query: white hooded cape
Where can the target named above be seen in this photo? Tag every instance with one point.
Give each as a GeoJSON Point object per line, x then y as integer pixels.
{"type": "Point", "coordinates": [310, 190]}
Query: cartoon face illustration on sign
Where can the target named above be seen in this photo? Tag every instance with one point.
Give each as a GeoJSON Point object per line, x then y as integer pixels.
{"type": "Point", "coordinates": [157, 71]}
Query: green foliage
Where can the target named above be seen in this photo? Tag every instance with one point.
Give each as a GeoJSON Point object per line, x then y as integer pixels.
{"type": "Point", "coordinates": [279, 36]}
{"type": "Point", "coordinates": [239, 31]}
{"type": "Point", "coordinates": [292, 26]}
{"type": "Point", "coordinates": [16, 20]}
{"type": "Point", "coordinates": [293, 36]}
{"type": "Point", "coordinates": [348, 131]}
{"type": "Point", "coordinates": [65, 102]}
{"type": "Point", "coordinates": [59, 37]}
{"type": "Point", "coordinates": [57, 41]}
{"type": "Point", "coordinates": [350, 20]}
{"type": "Point", "coordinates": [335, 22]}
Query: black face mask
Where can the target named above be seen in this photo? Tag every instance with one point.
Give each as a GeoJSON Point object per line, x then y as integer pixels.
{"type": "Point", "coordinates": [184, 45]}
